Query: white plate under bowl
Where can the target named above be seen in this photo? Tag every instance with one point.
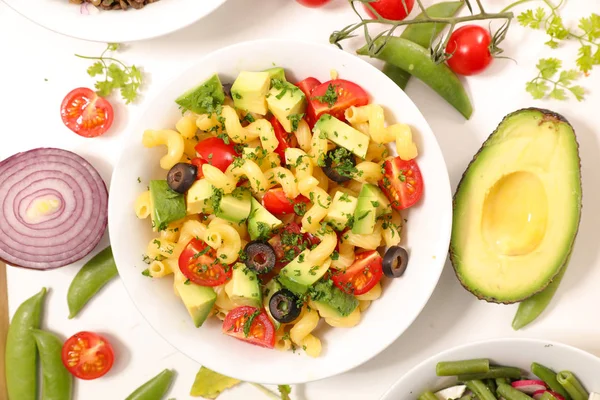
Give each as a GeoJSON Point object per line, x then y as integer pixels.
{"type": "Point", "coordinates": [426, 234]}
{"type": "Point", "coordinates": [518, 353]}
{"type": "Point", "coordinates": [114, 26]}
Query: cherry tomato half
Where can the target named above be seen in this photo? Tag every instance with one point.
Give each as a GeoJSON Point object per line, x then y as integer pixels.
{"type": "Point", "coordinates": [276, 202]}
{"type": "Point", "coordinates": [86, 113]}
{"type": "Point", "coordinates": [199, 263]}
{"type": "Point", "coordinates": [87, 355]}
{"type": "Point", "coordinates": [261, 331]}
{"type": "Point", "coordinates": [313, 3]}
{"type": "Point", "coordinates": [198, 162]}
{"type": "Point", "coordinates": [402, 182]}
{"type": "Point", "coordinates": [285, 139]}
{"type": "Point", "coordinates": [362, 275]}
{"type": "Point", "coordinates": [470, 49]}
{"type": "Point", "coordinates": [335, 96]}
{"type": "Point", "coordinates": [307, 85]}
{"type": "Point", "coordinates": [216, 152]}
{"type": "Point", "coordinates": [396, 10]}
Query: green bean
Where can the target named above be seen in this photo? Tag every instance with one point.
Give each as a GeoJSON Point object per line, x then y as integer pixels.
{"type": "Point", "coordinates": [427, 396]}
{"type": "Point", "coordinates": [507, 392]}
{"type": "Point", "coordinates": [21, 352]}
{"type": "Point", "coordinates": [572, 385]}
{"type": "Point", "coordinates": [155, 388]}
{"type": "Point", "coordinates": [469, 396]}
{"type": "Point", "coordinates": [90, 279]}
{"type": "Point", "coordinates": [423, 35]}
{"type": "Point", "coordinates": [416, 60]}
{"type": "Point", "coordinates": [532, 307]}
{"type": "Point", "coordinates": [57, 382]}
{"type": "Point", "coordinates": [481, 391]}
{"type": "Point", "coordinates": [549, 377]}
{"type": "Point", "coordinates": [502, 380]}
{"type": "Point", "coordinates": [547, 396]}
{"type": "Point", "coordinates": [451, 368]}
{"type": "Point", "coordinates": [491, 384]}
{"type": "Point", "coordinates": [493, 373]}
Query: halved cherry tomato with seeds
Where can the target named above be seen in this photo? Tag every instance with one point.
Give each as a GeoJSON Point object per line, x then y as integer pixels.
{"type": "Point", "coordinates": [276, 202]}
{"type": "Point", "coordinates": [216, 152]}
{"type": "Point", "coordinates": [87, 355]}
{"type": "Point", "coordinates": [199, 263]}
{"type": "Point", "coordinates": [362, 275]}
{"type": "Point", "coordinates": [250, 325]}
{"type": "Point", "coordinates": [86, 113]}
{"type": "Point", "coordinates": [402, 182]}
{"type": "Point", "coordinates": [335, 96]}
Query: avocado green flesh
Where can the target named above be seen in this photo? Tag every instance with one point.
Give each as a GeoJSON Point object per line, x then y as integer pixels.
{"type": "Point", "coordinates": [367, 207]}
{"type": "Point", "coordinates": [286, 101]}
{"type": "Point", "coordinates": [276, 73]}
{"type": "Point", "coordinates": [245, 287]}
{"type": "Point", "coordinates": [300, 274]}
{"type": "Point", "coordinates": [198, 300]}
{"type": "Point", "coordinates": [331, 297]}
{"type": "Point", "coordinates": [249, 91]}
{"type": "Point", "coordinates": [203, 98]}
{"type": "Point", "coordinates": [235, 207]}
{"type": "Point", "coordinates": [517, 208]}
{"type": "Point", "coordinates": [261, 222]}
{"type": "Point", "coordinates": [167, 205]}
{"type": "Point", "coordinates": [343, 135]}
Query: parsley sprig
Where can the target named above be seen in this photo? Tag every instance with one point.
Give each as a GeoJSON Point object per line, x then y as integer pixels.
{"type": "Point", "coordinates": [547, 85]}
{"type": "Point", "coordinates": [116, 75]}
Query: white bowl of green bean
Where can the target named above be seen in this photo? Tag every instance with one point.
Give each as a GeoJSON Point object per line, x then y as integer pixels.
{"type": "Point", "coordinates": [485, 371]}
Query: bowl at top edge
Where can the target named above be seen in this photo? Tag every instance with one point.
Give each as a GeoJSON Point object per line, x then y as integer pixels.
{"type": "Point", "coordinates": [426, 234]}
{"type": "Point", "coordinates": [88, 23]}
{"type": "Point", "coordinates": [513, 352]}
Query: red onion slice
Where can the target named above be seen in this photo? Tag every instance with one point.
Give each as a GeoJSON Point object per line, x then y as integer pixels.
{"type": "Point", "coordinates": [53, 208]}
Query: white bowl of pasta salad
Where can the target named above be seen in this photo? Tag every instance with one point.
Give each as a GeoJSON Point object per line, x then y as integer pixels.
{"type": "Point", "coordinates": [270, 200]}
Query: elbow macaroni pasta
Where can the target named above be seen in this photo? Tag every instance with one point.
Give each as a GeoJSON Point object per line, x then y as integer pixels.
{"type": "Point", "coordinates": [143, 205]}
{"type": "Point", "coordinates": [174, 142]}
{"type": "Point", "coordinates": [301, 333]}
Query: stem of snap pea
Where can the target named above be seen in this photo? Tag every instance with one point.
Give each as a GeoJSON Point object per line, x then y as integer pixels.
{"type": "Point", "coordinates": [493, 373]}
{"type": "Point", "coordinates": [481, 390]}
{"type": "Point", "coordinates": [451, 368]}
{"type": "Point", "coordinates": [572, 385]}
{"type": "Point", "coordinates": [509, 393]}
{"type": "Point", "coordinates": [549, 377]}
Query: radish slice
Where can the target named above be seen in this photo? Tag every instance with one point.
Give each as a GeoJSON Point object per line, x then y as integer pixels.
{"type": "Point", "coordinates": [539, 393]}
{"type": "Point", "coordinates": [529, 386]}
{"type": "Point", "coordinates": [53, 208]}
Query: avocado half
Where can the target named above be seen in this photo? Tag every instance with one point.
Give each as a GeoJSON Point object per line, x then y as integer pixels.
{"type": "Point", "coordinates": [517, 208]}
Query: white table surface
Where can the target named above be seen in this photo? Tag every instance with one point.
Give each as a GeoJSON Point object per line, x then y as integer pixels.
{"type": "Point", "coordinates": [37, 68]}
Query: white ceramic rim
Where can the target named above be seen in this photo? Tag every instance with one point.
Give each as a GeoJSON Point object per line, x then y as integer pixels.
{"type": "Point", "coordinates": [438, 262]}
{"type": "Point", "coordinates": [184, 18]}
{"type": "Point", "coordinates": [487, 342]}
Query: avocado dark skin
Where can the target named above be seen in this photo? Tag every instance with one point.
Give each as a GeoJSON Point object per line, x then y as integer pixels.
{"type": "Point", "coordinates": [547, 116]}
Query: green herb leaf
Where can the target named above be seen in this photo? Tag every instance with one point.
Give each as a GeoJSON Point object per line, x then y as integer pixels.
{"type": "Point", "coordinates": [537, 89]}
{"type": "Point", "coordinates": [285, 391]}
{"type": "Point", "coordinates": [96, 68]}
{"type": "Point", "coordinates": [585, 61]}
{"type": "Point", "coordinates": [558, 94]}
{"type": "Point", "coordinates": [330, 97]}
{"type": "Point", "coordinates": [578, 92]}
{"type": "Point", "coordinates": [549, 67]}
{"type": "Point", "coordinates": [567, 76]}
{"type": "Point", "coordinates": [210, 384]}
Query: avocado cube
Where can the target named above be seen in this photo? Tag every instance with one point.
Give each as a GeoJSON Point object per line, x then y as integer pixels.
{"type": "Point", "coordinates": [367, 207]}
{"type": "Point", "coordinates": [300, 274]}
{"type": "Point", "coordinates": [235, 207]}
{"type": "Point", "coordinates": [204, 98]}
{"type": "Point", "coordinates": [333, 299]}
{"type": "Point", "coordinates": [341, 210]}
{"type": "Point", "coordinates": [198, 300]}
{"type": "Point", "coordinates": [199, 197]}
{"type": "Point", "coordinates": [261, 222]}
{"type": "Point", "coordinates": [343, 135]}
{"type": "Point", "coordinates": [245, 287]}
{"type": "Point", "coordinates": [167, 205]}
{"type": "Point", "coordinates": [249, 91]}
{"type": "Point", "coordinates": [276, 73]}
{"type": "Point", "coordinates": [287, 103]}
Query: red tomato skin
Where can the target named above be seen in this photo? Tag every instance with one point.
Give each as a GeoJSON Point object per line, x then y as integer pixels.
{"type": "Point", "coordinates": [285, 139]}
{"type": "Point", "coordinates": [198, 162]}
{"type": "Point", "coordinates": [313, 3]}
{"type": "Point", "coordinates": [470, 49]}
{"type": "Point", "coordinates": [276, 202]}
{"type": "Point", "coordinates": [92, 338]}
{"type": "Point", "coordinates": [230, 328]}
{"type": "Point", "coordinates": [215, 152]}
{"type": "Point", "coordinates": [348, 94]}
{"type": "Point", "coordinates": [83, 106]}
{"type": "Point", "coordinates": [216, 274]}
{"type": "Point", "coordinates": [401, 194]}
{"type": "Point", "coordinates": [391, 9]}
{"type": "Point", "coordinates": [307, 85]}
{"type": "Point", "coordinates": [369, 259]}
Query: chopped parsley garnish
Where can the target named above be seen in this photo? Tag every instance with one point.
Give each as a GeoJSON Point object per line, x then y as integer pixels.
{"type": "Point", "coordinates": [139, 180]}
{"type": "Point", "coordinates": [264, 230]}
{"type": "Point", "coordinates": [335, 255]}
{"type": "Point", "coordinates": [146, 272]}
{"type": "Point", "coordinates": [187, 282]}
{"type": "Point", "coordinates": [330, 97]}
{"type": "Point", "coordinates": [295, 119]}
{"type": "Point", "coordinates": [342, 161]}
{"type": "Point", "coordinates": [364, 215]}
{"type": "Point", "coordinates": [201, 253]}
{"type": "Point", "coordinates": [248, 117]}
{"type": "Point", "coordinates": [249, 321]}
{"type": "Point", "coordinates": [344, 197]}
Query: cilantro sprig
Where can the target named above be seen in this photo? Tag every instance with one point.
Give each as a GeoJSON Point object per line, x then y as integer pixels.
{"type": "Point", "coordinates": [547, 84]}
{"type": "Point", "coordinates": [117, 75]}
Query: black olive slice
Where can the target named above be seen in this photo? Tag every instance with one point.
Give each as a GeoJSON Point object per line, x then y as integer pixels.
{"type": "Point", "coordinates": [395, 261]}
{"type": "Point", "coordinates": [260, 257]}
{"type": "Point", "coordinates": [181, 177]}
{"type": "Point", "coordinates": [284, 306]}
{"type": "Point", "coordinates": [339, 165]}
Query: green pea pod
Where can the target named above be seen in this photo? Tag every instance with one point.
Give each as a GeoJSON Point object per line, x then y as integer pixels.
{"type": "Point", "coordinates": [415, 59]}
{"type": "Point", "coordinates": [572, 385]}
{"type": "Point", "coordinates": [90, 279]}
{"type": "Point", "coordinates": [549, 376]}
{"type": "Point", "coordinates": [57, 382]}
{"type": "Point", "coordinates": [155, 388]}
{"type": "Point", "coordinates": [423, 35]}
{"type": "Point", "coordinates": [21, 351]}
{"type": "Point", "coordinates": [532, 307]}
